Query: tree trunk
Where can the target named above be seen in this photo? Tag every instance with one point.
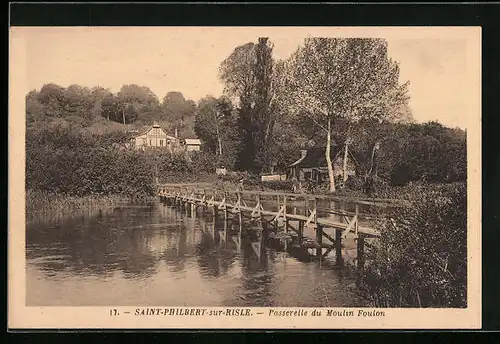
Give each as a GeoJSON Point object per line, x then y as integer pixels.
{"type": "Point", "coordinates": [123, 116]}
{"type": "Point", "coordinates": [219, 140]}
{"type": "Point", "coordinates": [373, 169]}
{"type": "Point", "coordinates": [331, 175]}
{"type": "Point", "coordinates": [346, 150]}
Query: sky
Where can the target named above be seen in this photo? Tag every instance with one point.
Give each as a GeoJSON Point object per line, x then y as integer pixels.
{"type": "Point", "coordinates": [186, 59]}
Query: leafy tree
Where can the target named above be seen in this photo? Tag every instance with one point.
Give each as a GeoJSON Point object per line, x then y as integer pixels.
{"type": "Point", "coordinates": [110, 108]}
{"type": "Point", "coordinates": [99, 96]}
{"type": "Point", "coordinates": [35, 111]}
{"type": "Point", "coordinates": [51, 96]}
{"type": "Point", "coordinates": [247, 75]}
{"type": "Point", "coordinates": [140, 98]}
{"type": "Point", "coordinates": [178, 112]}
{"type": "Point", "coordinates": [336, 82]}
{"type": "Point", "coordinates": [216, 126]}
{"type": "Point", "coordinates": [78, 102]}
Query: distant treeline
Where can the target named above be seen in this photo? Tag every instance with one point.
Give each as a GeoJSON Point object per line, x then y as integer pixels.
{"type": "Point", "coordinates": [408, 152]}
{"type": "Point", "coordinates": [132, 105]}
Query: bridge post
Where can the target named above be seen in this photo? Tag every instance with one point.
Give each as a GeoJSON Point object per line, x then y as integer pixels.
{"type": "Point", "coordinates": [319, 240]}
{"type": "Point", "coordinates": [240, 220]}
{"type": "Point", "coordinates": [338, 247]}
{"type": "Point", "coordinates": [360, 255]}
{"type": "Point", "coordinates": [276, 222]}
{"type": "Point", "coordinates": [319, 230]}
{"type": "Point", "coordinates": [259, 214]}
{"type": "Point", "coordinates": [285, 214]}
{"type": "Point", "coordinates": [226, 194]}
{"type": "Point", "coordinates": [204, 204]}
{"type": "Point", "coordinates": [215, 208]}
{"type": "Point", "coordinates": [301, 232]}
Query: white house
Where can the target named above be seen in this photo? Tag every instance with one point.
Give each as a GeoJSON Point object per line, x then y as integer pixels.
{"type": "Point", "coordinates": [158, 138]}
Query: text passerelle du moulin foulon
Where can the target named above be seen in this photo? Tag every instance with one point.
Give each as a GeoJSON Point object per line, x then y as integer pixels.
{"type": "Point", "coordinates": [247, 312]}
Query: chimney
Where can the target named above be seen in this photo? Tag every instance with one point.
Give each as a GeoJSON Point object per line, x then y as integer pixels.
{"type": "Point", "coordinates": [303, 153]}
{"type": "Point", "coordinates": [175, 132]}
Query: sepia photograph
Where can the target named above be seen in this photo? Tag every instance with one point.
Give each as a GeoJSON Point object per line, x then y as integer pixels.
{"type": "Point", "coordinates": [247, 172]}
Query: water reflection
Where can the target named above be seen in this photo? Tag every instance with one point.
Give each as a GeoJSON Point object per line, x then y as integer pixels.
{"type": "Point", "coordinates": [156, 255]}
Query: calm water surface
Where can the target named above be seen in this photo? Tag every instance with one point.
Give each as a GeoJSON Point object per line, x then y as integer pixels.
{"type": "Point", "coordinates": [155, 255]}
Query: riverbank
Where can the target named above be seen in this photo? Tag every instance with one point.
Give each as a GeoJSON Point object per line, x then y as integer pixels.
{"type": "Point", "coordinates": [38, 202]}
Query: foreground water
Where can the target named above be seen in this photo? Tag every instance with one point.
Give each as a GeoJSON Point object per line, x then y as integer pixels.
{"type": "Point", "coordinates": [155, 255]}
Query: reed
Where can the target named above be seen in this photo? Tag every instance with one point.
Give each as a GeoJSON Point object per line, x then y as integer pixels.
{"type": "Point", "coordinates": [39, 203]}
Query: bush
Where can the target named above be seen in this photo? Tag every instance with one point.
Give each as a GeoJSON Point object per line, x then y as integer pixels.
{"type": "Point", "coordinates": [64, 162]}
{"type": "Point", "coordinates": [184, 168]}
{"type": "Point", "coordinates": [355, 183]}
{"type": "Point", "coordinates": [279, 185]}
{"type": "Point", "coordinates": [421, 258]}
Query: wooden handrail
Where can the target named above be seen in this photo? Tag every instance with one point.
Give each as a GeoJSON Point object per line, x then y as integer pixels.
{"type": "Point", "coordinates": [378, 202]}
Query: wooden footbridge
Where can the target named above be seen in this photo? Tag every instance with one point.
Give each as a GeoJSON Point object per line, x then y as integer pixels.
{"type": "Point", "coordinates": [287, 215]}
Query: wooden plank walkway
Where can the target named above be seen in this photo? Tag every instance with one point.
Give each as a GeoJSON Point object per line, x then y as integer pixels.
{"type": "Point", "coordinates": [272, 208]}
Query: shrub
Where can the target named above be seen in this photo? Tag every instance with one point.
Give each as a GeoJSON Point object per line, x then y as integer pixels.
{"type": "Point", "coordinates": [355, 183]}
{"type": "Point", "coordinates": [421, 258]}
{"type": "Point", "coordinates": [278, 185]}
{"type": "Point", "coordinates": [64, 162]}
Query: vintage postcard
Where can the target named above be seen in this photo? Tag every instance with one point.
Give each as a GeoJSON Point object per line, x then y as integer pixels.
{"type": "Point", "coordinates": [245, 178]}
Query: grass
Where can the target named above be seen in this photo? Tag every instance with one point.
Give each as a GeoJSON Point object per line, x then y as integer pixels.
{"type": "Point", "coordinates": [39, 203]}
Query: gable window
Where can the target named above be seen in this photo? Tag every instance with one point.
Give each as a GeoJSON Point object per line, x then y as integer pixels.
{"type": "Point", "coordinates": [150, 142]}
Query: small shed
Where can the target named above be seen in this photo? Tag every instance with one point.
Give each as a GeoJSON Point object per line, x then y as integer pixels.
{"type": "Point", "coordinates": [192, 144]}
{"type": "Point", "coordinates": [312, 164]}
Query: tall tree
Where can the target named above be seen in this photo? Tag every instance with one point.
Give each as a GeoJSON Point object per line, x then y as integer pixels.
{"type": "Point", "coordinates": [335, 82]}
{"type": "Point", "coordinates": [263, 116]}
{"type": "Point", "coordinates": [236, 72]}
{"type": "Point", "coordinates": [215, 125]}
{"type": "Point", "coordinates": [78, 102]}
{"type": "Point", "coordinates": [178, 112]}
{"type": "Point", "coordinates": [247, 75]}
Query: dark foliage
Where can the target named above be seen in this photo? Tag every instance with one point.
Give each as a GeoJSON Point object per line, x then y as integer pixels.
{"type": "Point", "coordinates": [421, 258]}
{"type": "Point", "coordinates": [63, 161]}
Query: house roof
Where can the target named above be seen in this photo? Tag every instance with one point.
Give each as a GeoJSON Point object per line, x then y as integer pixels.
{"type": "Point", "coordinates": [315, 157]}
{"type": "Point", "coordinates": [144, 132]}
{"type": "Point", "coordinates": [192, 141]}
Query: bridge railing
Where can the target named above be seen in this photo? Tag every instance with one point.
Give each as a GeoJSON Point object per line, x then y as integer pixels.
{"type": "Point", "coordinates": [303, 201]}
{"type": "Point", "coordinates": [379, 202]}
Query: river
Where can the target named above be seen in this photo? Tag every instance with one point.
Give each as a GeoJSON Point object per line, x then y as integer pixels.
{"type": "Point", "coordinates": [158, 256]}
